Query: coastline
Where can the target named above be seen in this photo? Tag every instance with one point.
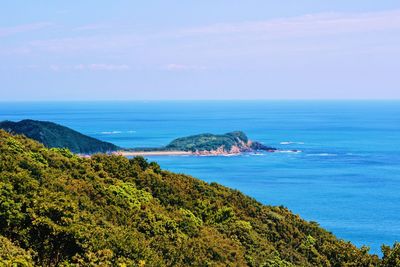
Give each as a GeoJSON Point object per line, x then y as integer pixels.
{"type": "Point", "coordinates": [184, 153]}
{"type": "Point", "coordinates": [153, 153]}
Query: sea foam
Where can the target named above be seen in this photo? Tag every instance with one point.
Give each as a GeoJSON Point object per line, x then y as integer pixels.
{"type": "Point", "coordinates": [291, 143]}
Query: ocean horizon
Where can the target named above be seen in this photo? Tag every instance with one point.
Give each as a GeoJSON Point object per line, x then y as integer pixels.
{"type": "Point", "coordinates": [346, 176]}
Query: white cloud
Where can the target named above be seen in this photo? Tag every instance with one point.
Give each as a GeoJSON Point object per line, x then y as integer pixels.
{"type": "Point", "coordinates": [54, 67]}
{"type": "Point", "coordinates": [107, 67]}
{"type": "Point", "coordinates": [89, 67]}
{"type": "Point", "coordinates": [314, 24]}
{"type": "Point", "coordinates": [93, 27]}
{"type": "Point", "coordinates": [94, 43]}
{"type": "Point", "coordinates": [5, 31]}
{"type": "Point", "coordinates": [238, 45]}
{"type": "Point", "coordinates": [181, 67]}
{"type": "Point", "coordinates": [327, 24]}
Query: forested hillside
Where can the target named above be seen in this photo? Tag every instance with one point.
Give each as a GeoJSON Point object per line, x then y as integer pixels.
{"type": "Point", "coordinates": [58, 209]}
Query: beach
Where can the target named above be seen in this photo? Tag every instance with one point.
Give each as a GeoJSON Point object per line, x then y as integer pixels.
{"type": "Point", "coordinates": [153, 153]}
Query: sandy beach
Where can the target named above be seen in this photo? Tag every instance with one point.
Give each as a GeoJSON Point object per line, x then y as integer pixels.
{"type": "Point", "coordinates": [153, 153]}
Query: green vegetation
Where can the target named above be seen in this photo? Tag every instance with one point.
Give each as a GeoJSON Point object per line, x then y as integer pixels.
{"type": "Point", "coordinates": [55, 135]}
{"type": "Point", "coordinates": [58, 209]}
{"type": "Point", "coordinates": [210, 142]}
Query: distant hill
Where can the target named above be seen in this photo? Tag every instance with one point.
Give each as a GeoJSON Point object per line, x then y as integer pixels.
{"type": "Point", "coordinates": [233, 142]}
{"type": "Point", "coordinates": [54, 135]}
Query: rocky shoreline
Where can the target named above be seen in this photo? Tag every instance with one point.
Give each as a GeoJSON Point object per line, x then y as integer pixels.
{"type": "Point", "coordinates": [229, 144]}
{"type": "Point", "coordinates": [221, 151]}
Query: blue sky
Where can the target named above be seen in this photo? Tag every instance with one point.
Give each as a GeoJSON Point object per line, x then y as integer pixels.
{"type": "Point", "coordinates": [131, 50]}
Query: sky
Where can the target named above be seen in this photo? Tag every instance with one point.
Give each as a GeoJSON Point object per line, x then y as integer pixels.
{"type": "Point", "coordinates": [199, 50]}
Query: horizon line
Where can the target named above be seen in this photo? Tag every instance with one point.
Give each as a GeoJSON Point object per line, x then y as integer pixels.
{"type": "Point", "coordinates": [200, 100]}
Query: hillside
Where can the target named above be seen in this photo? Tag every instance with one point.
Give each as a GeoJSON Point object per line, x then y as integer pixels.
{"type": "Point", "coordinates": [58, 209]}
{"type": "Point", "coordinates": [233, 142]}
{"type": "Point", "coordinates": [54, 135]}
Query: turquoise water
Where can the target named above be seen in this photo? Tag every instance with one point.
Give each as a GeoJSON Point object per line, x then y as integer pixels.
{"type": "Point", "coordinates": [347, 177]}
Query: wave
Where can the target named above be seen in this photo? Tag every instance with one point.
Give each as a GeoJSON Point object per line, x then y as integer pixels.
{"type": "Point", "coordinates": [113, 132]}
{"type": "Point", "coordinates": [323, 155]}
{"type": "Point", "coordinates": [117, 132]}
{"type": "Point", "coordinates": [291, 143]}
{"type": "Point", "coordinates": [288, 151]}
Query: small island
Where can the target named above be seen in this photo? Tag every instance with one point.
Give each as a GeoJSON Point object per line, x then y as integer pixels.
{"type": "Point", "coordinates": [231, 143]}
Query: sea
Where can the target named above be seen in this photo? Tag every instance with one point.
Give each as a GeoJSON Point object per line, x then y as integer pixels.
{"type": "Point", "coordinates": [346, 177]}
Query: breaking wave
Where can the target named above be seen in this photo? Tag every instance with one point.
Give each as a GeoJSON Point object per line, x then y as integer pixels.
{"type": "Point", "coordinates": [117, 132]}
{"type": "Point", "coordinates": [291, 143]}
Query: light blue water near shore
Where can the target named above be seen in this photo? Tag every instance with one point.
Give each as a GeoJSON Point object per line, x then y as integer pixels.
{"type": "Point", "coordinates": [347, 177]}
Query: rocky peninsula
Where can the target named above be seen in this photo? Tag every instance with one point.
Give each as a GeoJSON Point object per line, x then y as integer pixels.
{"type": "Point", "coordinates": [231, 143]}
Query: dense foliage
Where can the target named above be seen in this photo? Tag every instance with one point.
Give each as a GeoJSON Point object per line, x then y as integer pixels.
{"type": "Point", "coordinates": [209, 142]}
{"type": "Point", "coordinates": [54, 135]}
{"type": "Point", "coordinates": [58, 209]}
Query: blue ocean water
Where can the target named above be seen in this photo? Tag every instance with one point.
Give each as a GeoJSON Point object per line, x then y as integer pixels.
{"type": "Point", "coordinates": [347, 177]}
